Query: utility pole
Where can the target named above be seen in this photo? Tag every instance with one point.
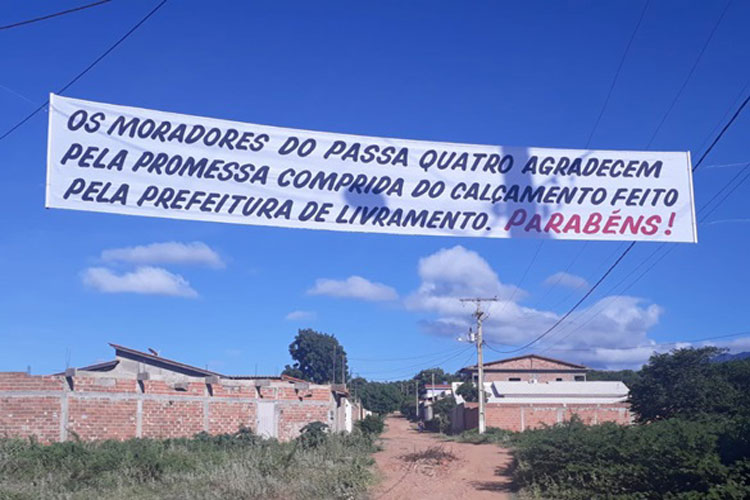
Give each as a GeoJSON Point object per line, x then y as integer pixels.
{"type": "Point", "coordinates": [416, 398]}
{"type": "Point", "coordinates": [333, 371]}
{"type": "Point", "coordinates": [433, 386]}
{"type": "Point", "coordinates": [343, 369]}
{"type": "Point", "coordinates": [480, 316]}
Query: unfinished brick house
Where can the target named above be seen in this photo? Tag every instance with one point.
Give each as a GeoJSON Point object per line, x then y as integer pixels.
{"type": "Point", "coordinates": [526, 392]}
{"type": "Point", "coordinates": [144, 395]}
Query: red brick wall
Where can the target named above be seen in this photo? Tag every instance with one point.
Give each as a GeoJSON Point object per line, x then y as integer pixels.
{"type": "Point", "coordinates": [101, 418]}
{"type": "Point", "coordinates": [225, 417]}
{"type": "Point", "coordinates": [31, 416]}
{"type": "Point", "coordinates": [292, 418]}
{"type": "Point", "coordinates": [172, 418]}
{"type": "Point", "coordinates": [529, 416]}
{"type": "Point", "coordinates": [108, 408]}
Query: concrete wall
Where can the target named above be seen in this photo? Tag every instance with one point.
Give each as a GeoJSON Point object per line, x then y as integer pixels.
{"type": "Point", "coordinates": [97, 405]}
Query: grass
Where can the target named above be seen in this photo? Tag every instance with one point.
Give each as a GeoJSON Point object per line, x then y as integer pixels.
{"type": "Point", "coordinates": [238, 466]}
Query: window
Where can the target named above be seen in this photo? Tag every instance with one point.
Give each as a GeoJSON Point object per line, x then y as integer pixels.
{"type": "Point", "coordinates": [558, 379]}
{"type": "Point", "coordinates": [580, 378]}
{"type": "Point", "coordinates": [514, 379]}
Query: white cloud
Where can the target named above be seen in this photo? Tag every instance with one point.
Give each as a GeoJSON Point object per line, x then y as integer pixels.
{"type": "Point", "coordinates": [354, 287]}
{"type": "Point", "coordinates": [566, 279]}
{"type": "Point", "coordinates": [300, 316]}
{"type": "Point", "coordinates": [615, 327]}
{"type": "Point", "coordinates": [171, 252]}
{"type": "Point", "coordinates": [452, 273]}
{"type": "Point", "coordinates": [144, 280]}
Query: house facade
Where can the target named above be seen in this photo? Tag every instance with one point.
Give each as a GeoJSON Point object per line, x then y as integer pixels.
{"type": "Point", "coordinates": [531, 391]}
{"type": "Point", "coordinates": [530, 367]}
{"type": "Point", "coordinates": [144, 395]}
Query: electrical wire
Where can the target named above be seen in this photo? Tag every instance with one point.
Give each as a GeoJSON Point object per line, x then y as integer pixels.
{"type": "Point", "coordinates": [617, 73]}
{"type": "Point", "coordinates": [403, 370]}
{"type": "Point", "coordinates": [660, 247]}
{"type": "Point", "coordinates": [56, 14]}
{"type": "Point", "coordinates": [632, 244]}
{"type": "Point", "coordinates": [86, 70]}
{"type": "Point", "coordinates": [593, 131]}
{"type": "Point", "coordinates": [691, 341]}
{"type": "Point", "coordinates": [439, 353]}
{"type": "Point", "coordinates": [690, 74]}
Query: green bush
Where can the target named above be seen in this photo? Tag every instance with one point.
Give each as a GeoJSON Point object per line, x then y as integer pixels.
{"type": "Point", "coordinates": [371, 425]}
{"type": "Point", "coordinates": [313, 435]}
{"type": "Point", "coordinates": [441, 415]}
{"type": "Point", "coordinates": [667, 459]}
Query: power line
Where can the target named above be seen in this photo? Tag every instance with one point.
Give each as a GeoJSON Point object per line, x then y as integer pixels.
{"type": "Point", "coordinates": [523, 278]}
{"type": "Point", "coordinates": [691, 341]}
{"type": "Point", "coordinates": [658, 248]}
{"type": "Point", "coordinates": [617, 73]}
{"type": "Point", "coordinates": [690, 74]}
{"type": "Point", "coordinates": [434, 354]}
{"type": "Point", "coordinates": [632, 244]}
{"type": "Point", "coordinates": [421, 367]}
{"type": "Point", "coordinates": [56, 14]}
{"type": "Point", "coordinates": [86, 70]}
{"type": "Point", "coordinates": [457, 352]}
{"type": "Point", "coordinates": [576, 305]}
{"type": "Point", "coordinates": [596, 126]}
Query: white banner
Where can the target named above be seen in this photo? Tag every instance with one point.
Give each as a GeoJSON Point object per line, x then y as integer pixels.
{"type": "Point", "coordinates": [124, 160]}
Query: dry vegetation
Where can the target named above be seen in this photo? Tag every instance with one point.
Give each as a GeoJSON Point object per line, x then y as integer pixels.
{"type": "Point", "coordinates": [239, 466]}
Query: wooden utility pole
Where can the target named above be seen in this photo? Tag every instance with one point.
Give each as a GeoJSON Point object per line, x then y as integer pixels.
{"type": "Point", "coordinates": [480, 316]}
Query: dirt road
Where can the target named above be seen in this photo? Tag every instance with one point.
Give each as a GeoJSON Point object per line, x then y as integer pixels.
{"type": "Point", "coordinates": [478, 471]}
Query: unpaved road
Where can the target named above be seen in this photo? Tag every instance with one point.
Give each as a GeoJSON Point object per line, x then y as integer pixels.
{"type": "Point", "coordinates": [477, 472]}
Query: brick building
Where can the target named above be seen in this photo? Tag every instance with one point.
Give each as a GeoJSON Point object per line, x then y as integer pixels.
{"type": "Point", "coordinates": [530, 367]}
{"type": "Point", "coordinates": [144, 395]}
{"type": "Point", "coordinates": [530, 391]}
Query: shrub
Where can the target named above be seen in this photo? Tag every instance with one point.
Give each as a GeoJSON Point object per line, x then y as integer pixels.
{"type": "Point", "coordinates": [313, 435]}
{"type": "Point", "coordinates": [468, 391]}
{"type": "Point", "coordinates": [371, 425]}
{"type": "Point", "coordinates": [441, 415]}
{"type": "Point", "coordinates": [667, 458]}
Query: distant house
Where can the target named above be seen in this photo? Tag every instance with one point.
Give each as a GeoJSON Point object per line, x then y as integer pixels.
{"type": "Point", "coordinates": [530, 367]}
{"type": "Point", "coordinates": [530, 391]}
{"type": "Point", "coordinates": [435, 392]}
{"type": "Point", "coordinates": [139, 394]}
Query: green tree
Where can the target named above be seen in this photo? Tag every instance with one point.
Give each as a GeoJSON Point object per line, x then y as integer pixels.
{"type": "Point", "coordinates": [314, 354]}
{"type": "Point", "coordinates": [683, 383]}
{"type": "Point", "coordinates": [381, 398]}
{"type": "Point", "coordinates": [425, 377]}
{"type": "Point", "coordinates": [468, 391]}
{"type": "Point", "coordinates": [628, 377]}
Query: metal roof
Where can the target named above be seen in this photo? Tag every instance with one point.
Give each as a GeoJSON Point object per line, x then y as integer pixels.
{"type": "Point", "coordinates": [127, 352]}
{"type": "Point", "coordinates": [562, 389]}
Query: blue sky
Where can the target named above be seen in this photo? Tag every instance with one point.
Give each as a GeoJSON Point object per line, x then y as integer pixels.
{"type": "Point", "coordinates": [232, 297]}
